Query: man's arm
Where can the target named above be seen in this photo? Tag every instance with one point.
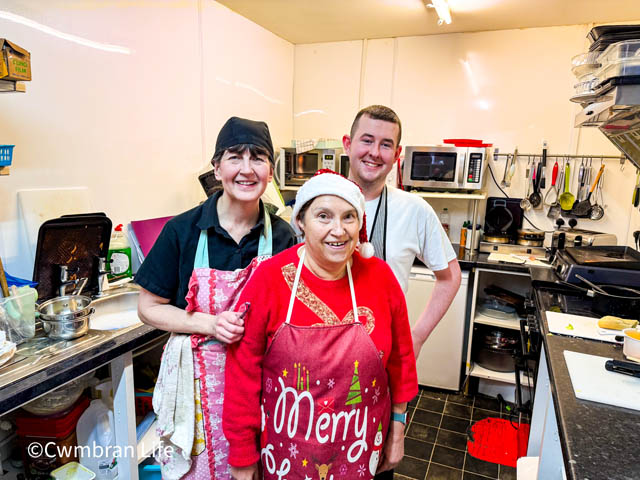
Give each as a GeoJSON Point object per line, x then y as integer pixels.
{"type": "Point", "coordinates": [447, 285]}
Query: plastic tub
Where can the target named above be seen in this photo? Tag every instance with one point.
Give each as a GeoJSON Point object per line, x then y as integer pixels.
{"type": "Point", "coordinates": [585, 63]}
{"type": "Point", "coordinates": [58, 400]}
{"type": "Point", "coordinates": [149, 472]}
{"type": "Point", "coordinates": [18, 315]}
{"type": "Point", "coordinates": [59, 429]}
{"type": "Point", "coordinates": [72, 471]}
{"type": "Point", "coordinates": [621, 59]}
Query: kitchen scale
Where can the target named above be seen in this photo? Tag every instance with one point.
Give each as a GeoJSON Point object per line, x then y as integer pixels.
{"type": "Point", "coordinates": [613, 265]}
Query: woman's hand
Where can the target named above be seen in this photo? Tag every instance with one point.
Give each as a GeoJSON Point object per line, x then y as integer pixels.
{"type": "Point", "coordinates": [245, 473]}
{"type": "Point", "coordinates": [228, 327]}
{"type": "Point", "coordinates": [393, 450]}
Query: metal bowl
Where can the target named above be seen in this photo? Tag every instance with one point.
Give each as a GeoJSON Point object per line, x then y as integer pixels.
{"type": "Point", "coordinates": [64, 308]}
{"type": "Point", "coordinates": [67, 329]}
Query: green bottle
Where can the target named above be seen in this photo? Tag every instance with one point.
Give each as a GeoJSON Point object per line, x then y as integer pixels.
{"type": "Point", "coordinates": [119, 256]}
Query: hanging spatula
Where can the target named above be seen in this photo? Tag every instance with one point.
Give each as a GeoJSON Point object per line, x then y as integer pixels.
{"type": "Point", "coordinates": [582, 208]}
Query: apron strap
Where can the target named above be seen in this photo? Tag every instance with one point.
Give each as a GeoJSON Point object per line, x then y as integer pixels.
{"type": "Point", "coordinates": [202, 252]}
{"type": "Point", "coordinates": [265, 244]}
{"type": "Point", "coordinates": [353, 295]}
{"type": "Point", "coordinates": [294, 289]}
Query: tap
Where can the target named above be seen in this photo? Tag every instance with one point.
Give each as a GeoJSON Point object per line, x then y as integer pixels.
{"type": "Point", "coordinates": [64, 279]}
{"type": "Point", "coordinates": [102, 276]}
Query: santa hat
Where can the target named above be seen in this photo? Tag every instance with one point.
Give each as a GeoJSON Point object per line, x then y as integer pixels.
{"type": "Point", "coordinates": [328, 182]}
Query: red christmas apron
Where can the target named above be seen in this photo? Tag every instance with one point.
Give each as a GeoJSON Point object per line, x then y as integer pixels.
{"type": "Point", "coordinates": [325, 400]}
{"type": "Point", "coordinates": [214, 291]}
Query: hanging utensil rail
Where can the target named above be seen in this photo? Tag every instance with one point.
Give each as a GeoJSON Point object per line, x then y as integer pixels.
{"type": "Point", "coordinates": [538, 156]}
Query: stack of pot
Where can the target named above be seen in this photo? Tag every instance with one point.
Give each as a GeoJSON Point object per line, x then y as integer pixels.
{"type": "Point", "coordinates": [66, 317]}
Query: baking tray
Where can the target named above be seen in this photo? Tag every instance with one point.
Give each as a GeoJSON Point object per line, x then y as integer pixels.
{"type": "Point", "coordinates": [606, 256]}
{"type": "Point", "coordinates": [76, 241]}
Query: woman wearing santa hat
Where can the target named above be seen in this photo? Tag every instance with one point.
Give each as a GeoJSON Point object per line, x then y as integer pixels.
{"type": "Point", "coordinates": [326, 366]}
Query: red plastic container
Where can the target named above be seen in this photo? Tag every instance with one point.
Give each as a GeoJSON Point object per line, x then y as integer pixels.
{"type": "Point", "coordinates": [47, 442]}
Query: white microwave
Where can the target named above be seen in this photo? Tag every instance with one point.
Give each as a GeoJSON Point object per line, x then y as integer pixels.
{"type": "Point", "coordinates": [444, 168]}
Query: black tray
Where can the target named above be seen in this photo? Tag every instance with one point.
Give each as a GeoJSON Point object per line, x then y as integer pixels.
{"type": "Point", "coordinates": [76, 241]}
{"type": "Point", "coordinates": [622, 257]}
{"type": "Point", "coordinates": [613, 31]}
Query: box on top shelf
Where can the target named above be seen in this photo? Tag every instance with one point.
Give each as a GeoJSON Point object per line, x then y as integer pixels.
{"type": "Point", "coordinates": [15, 62]}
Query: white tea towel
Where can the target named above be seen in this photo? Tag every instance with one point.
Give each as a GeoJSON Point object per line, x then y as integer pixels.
{"type": "Point", "coordinates": [173, 402]}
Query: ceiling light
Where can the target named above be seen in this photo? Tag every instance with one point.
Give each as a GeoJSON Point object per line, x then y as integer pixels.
{"type": "Point", "coordinates": [442, 9]}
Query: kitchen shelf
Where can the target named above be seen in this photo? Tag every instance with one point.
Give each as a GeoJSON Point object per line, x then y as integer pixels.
{"type": "Point", "coordinates": [290, 189]}
{"type": "Point", "coordinates": [474, 195]}
{"type": "Point", "coordinates": [9, 86]}
{"type": "Point", "coordinates": [148, 443]}
{"type": "Point", "coordinates": [505, 377]}
{"type": "Point", "coordinates": [496, 322]}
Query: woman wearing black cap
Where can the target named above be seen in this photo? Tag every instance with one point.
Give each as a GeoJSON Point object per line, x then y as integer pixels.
{"type": "Point", "coordinates": [191, 281]}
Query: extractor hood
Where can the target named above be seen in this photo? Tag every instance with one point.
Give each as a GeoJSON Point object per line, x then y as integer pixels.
{"type": "Point", "coordinates": [617, 115]}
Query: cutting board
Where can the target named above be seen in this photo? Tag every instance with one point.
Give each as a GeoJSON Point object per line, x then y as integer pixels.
{"type": "Point", "coordinates": [39, 205]}
{"type": "Point", "coordinates": [578, 326]}
{"type": "Point", "coordinates": [592, 382]}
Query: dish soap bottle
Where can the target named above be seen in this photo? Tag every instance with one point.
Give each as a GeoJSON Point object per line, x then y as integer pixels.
{"type": "Point", "coordinates": [119, 256]}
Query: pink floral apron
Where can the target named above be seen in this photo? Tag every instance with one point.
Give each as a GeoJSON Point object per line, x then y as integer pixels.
{"type": "Point", "coordinates": [326, 406]}
{"type": "Point", "coordinates": [214, 291]}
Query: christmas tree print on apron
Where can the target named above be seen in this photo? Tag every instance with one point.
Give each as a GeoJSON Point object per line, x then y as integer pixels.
{"type": "Point", "coordinates": [325, 400]}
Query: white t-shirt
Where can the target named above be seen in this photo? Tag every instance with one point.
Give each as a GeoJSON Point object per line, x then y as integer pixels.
{"type": "Point", "coordinates": [413, 230]}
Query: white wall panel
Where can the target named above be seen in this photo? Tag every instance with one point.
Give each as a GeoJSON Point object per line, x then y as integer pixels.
{"type": "Point", "coordinates": [136, 129]}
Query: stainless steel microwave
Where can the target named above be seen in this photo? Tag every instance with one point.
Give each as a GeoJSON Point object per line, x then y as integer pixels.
{"type": "Point", "coordinates": [293, 169]}
{"type": "Point", "coordinates": [444, 168]}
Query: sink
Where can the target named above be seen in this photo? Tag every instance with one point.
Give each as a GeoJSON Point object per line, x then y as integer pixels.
{"type": "Point", "coordinates": [117, 309]}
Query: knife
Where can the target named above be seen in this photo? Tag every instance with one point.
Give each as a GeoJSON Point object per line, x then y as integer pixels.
{"type": "Point", "coordinates": [544, 165]}
{"type": "Point", "coordinates": [626, 368]}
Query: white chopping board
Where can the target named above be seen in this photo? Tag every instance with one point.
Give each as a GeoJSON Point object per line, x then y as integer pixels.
{"type": "Point", "coordinates": [592, 382]}
{"type": "Point", "coordinates": [36, 206]}
{"type": "Point", "coordinates": [578, 326]}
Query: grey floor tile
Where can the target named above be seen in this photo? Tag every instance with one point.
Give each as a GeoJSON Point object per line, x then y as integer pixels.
{"type": "Point", "coordinates": [414, 402]}
{"type": "Point", "coordinates": [448, 456]}
{"type": "Point", "coordinates": [438, 395]}
{"type": "Point", "coordinates": [460, 398]}
{"type": "Point", "coordinates": [507, 473]}
{"type": "Point", "coordinates": [457, 410]}
{"type": "Point", "coordinates": [452, 439]}
{"type": "Point", "coordinates": [440, 472]}
{"type": "Point", "coordinates": [422, 432]}
{"type": "Point", "coordinates": [426, 417]}
{"type": "Point", "coordinates": [417, 448]}
{"type": "Point", "coordinates": [412, 467]}
{"type": "Point", "coordinates": [486, 403]}
{"type": "Point", "coordinates": [472, 476]}
{"type": "Point", "coordinates": [455, 424]}
{"type": "Point", "coordinates": [480, 414]}
{"type": "Point", "coordinates": [432, 404]}
{"type": "Point", "coordinates": [397, 476]}
{"type": "Point", "coordinates": [474, 465]}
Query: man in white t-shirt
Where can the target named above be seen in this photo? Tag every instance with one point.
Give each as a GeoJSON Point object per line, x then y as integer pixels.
{"type": "Point", "coordinates": [401, 226]}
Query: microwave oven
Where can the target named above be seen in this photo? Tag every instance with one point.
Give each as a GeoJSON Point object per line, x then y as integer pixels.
{"type": "Point", "coordinates": [343, 165]}
{"type": "Point", "coordinates": [293, 169]}
{"type": "Point", "coordinates": [444, 168]}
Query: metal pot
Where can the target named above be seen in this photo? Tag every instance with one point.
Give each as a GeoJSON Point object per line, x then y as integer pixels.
{"type": "Point", "coordinates": [496, 360]}
{"type": "Point", "coordinates": [67, 329]}
{"type": "Point", "coordinates": [500, 340]}
{"type": "Point", "coordinates": [68, 307]}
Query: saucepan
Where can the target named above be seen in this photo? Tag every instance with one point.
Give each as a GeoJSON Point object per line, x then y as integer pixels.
{"type": "Point", "coordinates": [613, 299]}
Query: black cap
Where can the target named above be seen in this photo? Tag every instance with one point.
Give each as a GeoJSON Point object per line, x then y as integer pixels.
{"type": "Point", "coordinates": [237, 131]}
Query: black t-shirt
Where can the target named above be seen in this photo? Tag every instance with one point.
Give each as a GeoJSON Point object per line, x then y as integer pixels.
{"type": "Point", "coordinates": [166, 270]}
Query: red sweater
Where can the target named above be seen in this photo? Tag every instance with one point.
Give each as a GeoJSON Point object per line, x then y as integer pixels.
{"type": "Point", "coordinates": [325, 302]}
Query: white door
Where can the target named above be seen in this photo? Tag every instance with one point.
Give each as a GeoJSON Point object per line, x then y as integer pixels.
{"type": "Point", "coordinates": [440, 361]}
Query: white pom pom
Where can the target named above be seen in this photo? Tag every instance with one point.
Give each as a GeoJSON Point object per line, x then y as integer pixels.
{"type": "Point", "coordinates": [366, 250]}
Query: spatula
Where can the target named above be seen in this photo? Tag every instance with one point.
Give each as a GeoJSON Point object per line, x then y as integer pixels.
{"type": "Point", "coordinates": [582, 208]}
{"type": "Point", "coordinates": [566, 199]}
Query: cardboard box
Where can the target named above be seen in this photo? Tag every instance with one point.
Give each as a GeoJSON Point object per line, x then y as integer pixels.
{"type": "Point", "coordinates": [15, 61]}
